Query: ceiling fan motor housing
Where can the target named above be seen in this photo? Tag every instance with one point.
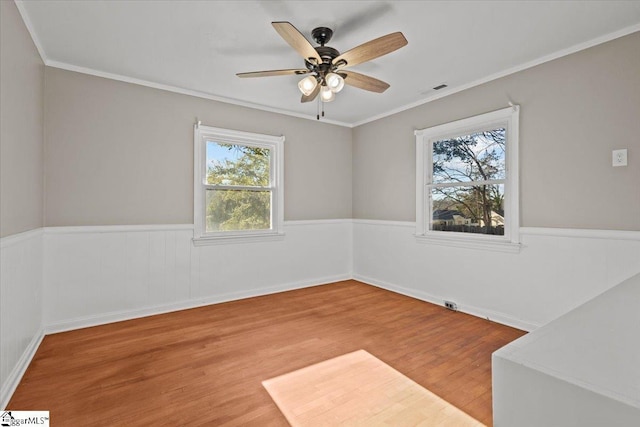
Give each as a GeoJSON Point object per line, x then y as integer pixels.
{"type": "Point", "coordinates": [327, 54]}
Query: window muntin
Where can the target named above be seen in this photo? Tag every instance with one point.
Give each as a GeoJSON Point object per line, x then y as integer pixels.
{"type": "Point", "coordinates": [238, 184]}
{"type": "Point", "coordinates": [467, 180]}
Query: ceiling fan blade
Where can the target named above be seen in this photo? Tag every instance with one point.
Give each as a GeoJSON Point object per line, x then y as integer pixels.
{"type": "Point", "coordinates": [273, 73]}
{"type": "Point", "coordinates": [291, 35]}
{"type": "Point", "coordinates": [312, 95]}
{"type": "Point", "coordinates": [371, 50]}
{"type": "Point", "coordinates": [364, 82]}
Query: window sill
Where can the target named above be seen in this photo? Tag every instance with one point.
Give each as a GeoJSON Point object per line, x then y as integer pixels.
{"type": "Point", "coordinates": [470, 243]}
{"type": "Point", "coordinates": [236, 239]}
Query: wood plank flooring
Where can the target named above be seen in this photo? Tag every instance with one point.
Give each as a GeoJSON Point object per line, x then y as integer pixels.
{"type": "Point", "coordinates": [204, 366]}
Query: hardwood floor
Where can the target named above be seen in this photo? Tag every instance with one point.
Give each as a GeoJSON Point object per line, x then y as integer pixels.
{"type": "Point", "coordinates": [204, 366]}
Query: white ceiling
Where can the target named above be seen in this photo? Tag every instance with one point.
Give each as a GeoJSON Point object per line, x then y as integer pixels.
{"type": "Point", "coordinates": [198, 46]}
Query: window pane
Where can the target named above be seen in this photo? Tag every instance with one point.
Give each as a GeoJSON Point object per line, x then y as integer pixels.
{"type": "Point", "coordinates": [468, 209]}
{"type": "Point", "coordinates": [233, 210]}
{"type": "Point", "coordinates": [476, 157]}
{"type": "Point", "coordinates": [234, 164]}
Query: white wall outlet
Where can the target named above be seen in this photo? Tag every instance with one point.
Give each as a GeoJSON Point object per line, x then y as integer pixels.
{"type": "Point", "coordinates": [620, 157]}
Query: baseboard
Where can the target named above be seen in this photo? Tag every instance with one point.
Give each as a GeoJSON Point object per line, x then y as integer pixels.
{"type": "Point", "coordinates": [119, 316]}
{"type": "Point", "coordinates": [102, 319]}
{"type": "Point", "coordinates": [19, 369]}
{"type": "Point", "coordinates": [474, 311]}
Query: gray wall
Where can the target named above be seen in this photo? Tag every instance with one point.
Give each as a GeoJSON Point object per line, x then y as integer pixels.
{"type": "Point", "coordinates": [575, 110]}
{"type": "Point", "coordinates": [119, 153]}
{"type": "Point", "coordinates": [21, 121]}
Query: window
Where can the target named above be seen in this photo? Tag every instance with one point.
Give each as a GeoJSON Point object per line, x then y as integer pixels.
{"type": "Point", "coordinates": [467, 182]}
{"type": "Point", "coordinates": [237, 185]}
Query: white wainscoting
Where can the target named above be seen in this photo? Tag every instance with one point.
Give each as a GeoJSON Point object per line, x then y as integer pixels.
{"type": "Point", "coordinates": [65, 278]}
{"type": "Point", "coordinates": [20, 307]}
{"type": "Point", "coordinates": [555, 271]}
{"type": "Point", "coordinates": [96, 275]}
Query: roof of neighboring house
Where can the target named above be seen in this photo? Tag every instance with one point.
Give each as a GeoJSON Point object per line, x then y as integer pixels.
{"type": "Point", "coordinates": [445, 214]}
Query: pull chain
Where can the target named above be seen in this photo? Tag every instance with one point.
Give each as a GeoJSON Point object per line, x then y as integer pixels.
{"type": "Point", "coordinates": [318, 109]}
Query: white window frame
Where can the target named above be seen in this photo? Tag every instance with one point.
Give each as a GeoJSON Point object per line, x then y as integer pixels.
{"type": "Point", "coordinates": [510, 242]}
{"type": "Point", "coordinates": [201, 135]}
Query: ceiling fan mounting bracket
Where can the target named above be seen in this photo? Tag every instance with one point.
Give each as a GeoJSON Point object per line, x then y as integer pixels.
{"type": "Point", "coordinates": [322, 35]}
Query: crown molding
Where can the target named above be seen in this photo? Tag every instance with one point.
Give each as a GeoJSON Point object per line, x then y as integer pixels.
{"type": "Point", "coordinates": [27, 23]}
{"type": "Point", "coordinates": [184, 91]}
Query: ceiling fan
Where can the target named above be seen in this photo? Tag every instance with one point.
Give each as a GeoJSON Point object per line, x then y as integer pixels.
{"type": "Point", "coordinates": [325, 65]}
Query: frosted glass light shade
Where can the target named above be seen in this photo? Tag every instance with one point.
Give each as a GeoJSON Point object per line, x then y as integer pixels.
{"type": "Point", "coordinates": [307, 85]}
{"type": "Point", "coordinates": [326, 94]}
{"type": "Point", "coordinates": [335, 82]}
